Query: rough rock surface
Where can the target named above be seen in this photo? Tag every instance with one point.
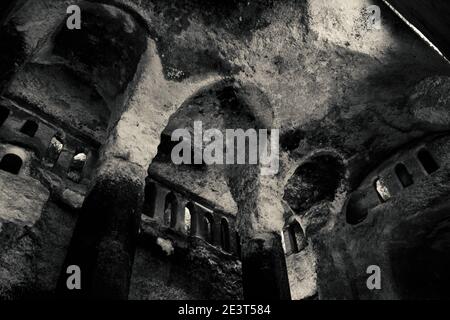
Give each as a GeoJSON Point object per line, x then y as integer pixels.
{"type": "Point", "coordinates": [197, 273]}
{"type": "Point", "coordinates": [22, 199]}
{"type": "Point", "coordinates": [32, 256]}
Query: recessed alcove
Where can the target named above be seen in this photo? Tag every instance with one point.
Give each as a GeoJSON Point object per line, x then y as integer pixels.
{"type": "Point", "coordinates": [11, 163]}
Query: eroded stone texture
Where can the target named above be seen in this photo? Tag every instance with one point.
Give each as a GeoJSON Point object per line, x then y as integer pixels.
{"type": "Point", "coordinates": [22, 199]}
{"type": "Point", "coordinates": [32, 256]}
{"type": "Point", "coordinates": [186, 275]}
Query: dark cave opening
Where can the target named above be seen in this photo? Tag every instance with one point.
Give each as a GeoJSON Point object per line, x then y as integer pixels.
{"type": "Point", "coordinates": [427, 161]}
{"type": "Point", "coordinates": [11, 163]}
{"type": "Point", "coordinates": [315, 181]}
{"type": "Point", "coordinates": [29, 128]}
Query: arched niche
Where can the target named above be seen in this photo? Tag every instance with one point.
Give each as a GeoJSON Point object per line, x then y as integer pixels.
{"type": "Point", "coordinates": [234, 187]}
{"type": "Point", "coordinates": [82, 78]}
{"type": "Point", "coordinates": [427, 161]}
{"type": "Point", "coordinates": [357, 208]}
{"type": "Point", "coordinates": [11, 163]}
{"type": "Point", "coordinates": [222, 106]}
{"type": "Point", "coordinates": [403, 175]}
{"type": "Point", "coordinates": [313, 182]}
{"type": "Point", "coordinates": [29, 128]}
{"type": "Point", "coordinates": [170, 210]}
{"type": "Point", "coordinates": [106, 50]}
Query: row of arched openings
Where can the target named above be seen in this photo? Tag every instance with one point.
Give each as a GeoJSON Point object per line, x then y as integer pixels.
{"type": "Point", "coordinates": [404, 176]}
{"type": "Point", "coordinates": [357, 207]}
{"type": "Point", "coordinates": [12, 163]}
{"type": "Point", "coordinates": [205, 227]}
{"type": "Point", "coordinates": [29, 128]}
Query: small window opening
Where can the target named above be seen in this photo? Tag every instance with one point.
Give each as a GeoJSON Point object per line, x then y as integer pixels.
{"type": "Point", "coordinates": [11, 163]}
{"type": "Point", "coordinates": [29, 128]}
{"type": "Point", "coordinates": [403, 175]}
{"type": "Point", "coordinates": [427, 161]}
{"type": "Point", "coordinates": [224, 235]}
{"type": "Point", "coordinates": [356, 208]}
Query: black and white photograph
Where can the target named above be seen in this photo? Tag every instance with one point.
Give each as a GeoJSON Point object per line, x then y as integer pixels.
{"type": "Point", "coordinates": [239, 150]}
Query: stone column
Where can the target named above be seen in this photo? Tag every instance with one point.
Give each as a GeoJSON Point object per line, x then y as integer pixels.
{"type": "Point", "coordinates": [194, 221]}
{"type": "Point", "coordinates": [217, 230]}
{"type": "Point", "coordinates": [117, 199]}
{"type": "Point", "coordinates": [198, 224]}
{"type": "Point", "coordinates": [181, 204]}
{"type": "Point", "coordinates": [264, 268]}
{"type": "Point", "coordinates": [104, 240]}
{"type": "Point", "coordinates": [160, 203]}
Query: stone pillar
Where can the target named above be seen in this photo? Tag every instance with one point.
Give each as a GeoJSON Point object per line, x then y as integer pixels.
{"type": "Point", "coordinates": [65, 159]}
{"type": "Point", "coordinates": [264, 268]}
{"type": "Point", "coordinates": [121, 212]}
{"type": "Point", "coordinates": [198, 222]}
{"type": "Point", "coordinates": [160, 203]}
{"type": "Point", "coordinates": [194, 221]}
{"type": "Point", "coordinates": [233, 239]}
{"type": "Point", "coordinates": [105, 237]}
{"type": "Point", "coordinates": [217, 230]}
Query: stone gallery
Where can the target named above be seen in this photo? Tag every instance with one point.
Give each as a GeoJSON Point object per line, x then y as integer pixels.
{"type": "Point", "coordinates": [355, 94]}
